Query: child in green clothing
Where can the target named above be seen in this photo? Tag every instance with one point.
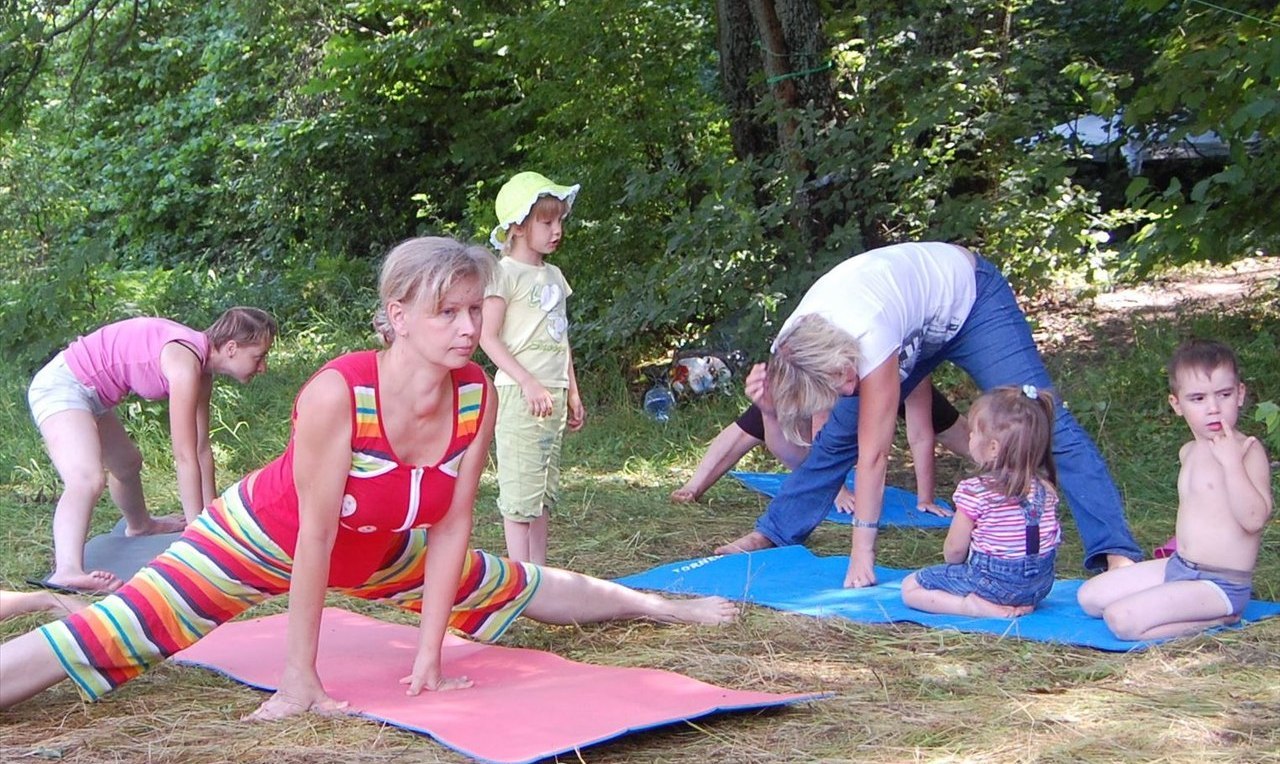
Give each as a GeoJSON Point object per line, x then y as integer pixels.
{"type": "Point", "coordinates": [525, 334]}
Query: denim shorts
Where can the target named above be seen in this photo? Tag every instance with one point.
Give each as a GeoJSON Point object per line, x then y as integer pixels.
{"type": "Point", "coordinates": [1235, 586]}
{"type": "Point", "coordinates": [994, 579]}
{"type": "Point", "coordinates": [55, 388]}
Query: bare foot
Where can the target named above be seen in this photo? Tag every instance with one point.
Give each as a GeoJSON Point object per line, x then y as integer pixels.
{"type": "Point", "coordinates": [1117, 561]}
{"type": "Point", "coordinates": [684, 495]}
{"type": "Point", "coordinates": [20, 603]}
{"type": "Point", "coordinates": [158, 525]}
{"type": "Point", "coordinates": [705, 610]}
{"type": "Point", "coordinates": [752, 542]}
{"type": "Point", "coordinates": [977, 606]}
{"type": "Point", "coordinates": [93, 582]}
{"type": "Point", "coordinates": [63, 604]}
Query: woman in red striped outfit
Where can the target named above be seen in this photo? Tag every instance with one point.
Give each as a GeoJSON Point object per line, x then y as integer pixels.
{"type": "Point", "coordinates": [386, 444]}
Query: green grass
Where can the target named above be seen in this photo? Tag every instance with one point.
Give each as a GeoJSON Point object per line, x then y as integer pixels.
{"type": "Point", "coordinates": [900, 693]}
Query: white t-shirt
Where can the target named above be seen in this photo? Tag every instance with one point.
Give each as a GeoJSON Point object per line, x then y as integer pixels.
{"type": "Point", "coordinates": [536, 327]}
{"type": "Point", "coordinates": [908, 299]}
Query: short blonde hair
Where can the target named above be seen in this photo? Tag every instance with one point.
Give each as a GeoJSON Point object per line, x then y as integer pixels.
{"type": "Point", "coordinates": [247, 326]}
{"type": "Point", "coordinates": [426, 268]}
{"type": "Point", "coordinates": [808, 367]}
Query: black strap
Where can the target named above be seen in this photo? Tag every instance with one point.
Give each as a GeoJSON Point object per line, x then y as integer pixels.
{"type": "Point", "coordinates": [1031, 511]}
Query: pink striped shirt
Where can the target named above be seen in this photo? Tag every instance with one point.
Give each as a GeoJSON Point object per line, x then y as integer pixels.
{"type": "Point", "coordinates": [1000, 529]}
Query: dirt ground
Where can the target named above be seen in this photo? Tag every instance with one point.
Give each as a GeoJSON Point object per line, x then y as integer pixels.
{"type": "Point", "coordinates": [1084, 323]}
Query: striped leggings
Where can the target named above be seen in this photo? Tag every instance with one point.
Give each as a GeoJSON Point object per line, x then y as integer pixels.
{"type": "Point", "coordinates": [223, 564]}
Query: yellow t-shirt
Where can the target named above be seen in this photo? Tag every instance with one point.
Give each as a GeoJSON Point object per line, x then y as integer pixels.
{"type": "Point", "coordinates": [536, 329]}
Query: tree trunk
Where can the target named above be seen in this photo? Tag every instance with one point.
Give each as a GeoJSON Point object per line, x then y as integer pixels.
{"type": "Point", "coordinates": [740, 62]}
{"type": "Point", "coordinates": [796, 63]}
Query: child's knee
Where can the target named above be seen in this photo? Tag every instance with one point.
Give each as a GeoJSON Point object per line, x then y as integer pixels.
{"type": "Point", "coordinates": [1122, 622]}
{"type": "Point", "coordinates": [1090, 599]}
{"type": "Point", "coordinates": [910, 587]}
{"type": "Point", "coordinates": [126, 464]}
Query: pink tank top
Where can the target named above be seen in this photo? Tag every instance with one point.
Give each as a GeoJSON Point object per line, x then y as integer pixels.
{"type": "Point", "coordinates": [124, 357]}
{"type": "Point", "coordinates": [383, 498]}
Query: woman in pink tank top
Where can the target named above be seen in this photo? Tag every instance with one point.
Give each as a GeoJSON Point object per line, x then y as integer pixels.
{"type": "Point", "coordinates": [73, 400]}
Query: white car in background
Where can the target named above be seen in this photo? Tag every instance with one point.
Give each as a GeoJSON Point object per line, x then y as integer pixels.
{"type": "Point", "coordinates": [1095, 138]}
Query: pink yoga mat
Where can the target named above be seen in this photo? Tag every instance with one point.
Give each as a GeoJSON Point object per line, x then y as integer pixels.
{"type": "Point", "coordinates": [526, 705]}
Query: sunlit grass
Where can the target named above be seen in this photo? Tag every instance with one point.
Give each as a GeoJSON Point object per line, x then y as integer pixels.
{"type": "Point", "coordinates": [899, 693]}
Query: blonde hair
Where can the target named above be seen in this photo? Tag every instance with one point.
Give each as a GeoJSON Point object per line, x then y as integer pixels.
{"type": "Point", "coordinates": [1020, 421]}
{"type": "Point", "coordinates": [547, 206]}
{"type": "Point", "coordinates": [426, 268]}
{"type": "Point", "coordinates": [247, 326]}
{"type": "Point", "coordinates": [808, 367]}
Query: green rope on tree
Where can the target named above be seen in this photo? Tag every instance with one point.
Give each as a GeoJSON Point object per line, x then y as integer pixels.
{"type": "Point", "coordinates": [1237, 13]}
{"type": "Point", "coordinates": [801, 73]}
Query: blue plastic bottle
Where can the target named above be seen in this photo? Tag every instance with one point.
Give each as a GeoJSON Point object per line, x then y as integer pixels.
{"type": "Point", "coordinates": [658, 402]}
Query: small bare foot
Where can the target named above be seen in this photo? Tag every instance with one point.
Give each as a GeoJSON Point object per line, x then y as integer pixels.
{"type": "Point", "coordinates": [977, 606]}
{"type": "Point", "coordinates": [93, 582]}
{"type": "Point", "coordinates": [158, 525]}
{"type": "Point", "coordinates": [844, 500]}
{"type": "Point", "coordinates": [1116, 561]}
{"type": "Point", "coordinates": [752, 542]}
{"type": "Point", "coordinates": [684, 495]}
{"type": "Point", "coordinates": [63, 604]}
{"type": "Point", "coordinates": [20, 603]}
{"type": "Point", "coordinates": [705, 610]}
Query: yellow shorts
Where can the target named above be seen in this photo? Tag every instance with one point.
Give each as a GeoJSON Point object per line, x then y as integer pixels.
{"type": "Point", "coordinates": [528, 451]}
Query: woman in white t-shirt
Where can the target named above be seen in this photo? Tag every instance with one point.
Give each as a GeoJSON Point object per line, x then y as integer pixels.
{"type": "Point", "coordinates": [873, 327]}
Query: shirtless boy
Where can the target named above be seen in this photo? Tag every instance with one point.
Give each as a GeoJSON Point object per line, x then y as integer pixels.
{"type": "Point", "coordinates": [1224, 500]}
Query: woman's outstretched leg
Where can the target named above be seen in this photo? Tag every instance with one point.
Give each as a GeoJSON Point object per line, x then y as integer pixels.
{"type": "Point", "coordinates": [572, 598]}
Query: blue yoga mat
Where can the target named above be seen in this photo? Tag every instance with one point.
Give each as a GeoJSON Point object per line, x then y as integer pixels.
{"type": "Point", "coordinates": [899, 506]}
{"type": "Point", "coordinates": [792, 578]}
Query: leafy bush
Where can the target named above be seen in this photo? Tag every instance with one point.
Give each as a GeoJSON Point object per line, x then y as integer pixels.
{"type": "Point", "coordinates": [269, 153]}
{"type": "Point", "coordinates": [1268, 413]}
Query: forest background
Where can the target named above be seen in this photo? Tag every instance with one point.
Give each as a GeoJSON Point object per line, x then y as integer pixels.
{"type": "Point", "coordinates": [173, 157]}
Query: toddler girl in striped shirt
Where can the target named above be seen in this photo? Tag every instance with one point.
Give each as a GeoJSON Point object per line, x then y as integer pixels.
{"type": "Point", "coordinates": [1004, 536]}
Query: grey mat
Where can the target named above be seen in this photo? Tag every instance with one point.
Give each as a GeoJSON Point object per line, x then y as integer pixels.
{"type": "Point", "coordinates": [117, 553]}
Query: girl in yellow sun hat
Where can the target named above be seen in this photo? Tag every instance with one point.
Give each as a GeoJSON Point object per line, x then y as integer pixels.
{"type": "Point", "coordinates": [525, 333]}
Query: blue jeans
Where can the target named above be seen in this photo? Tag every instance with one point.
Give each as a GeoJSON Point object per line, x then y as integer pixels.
{"type": "Point", "coordinates": [1025, 581]}
{"type": "Point", "coordinates": [994, 346]}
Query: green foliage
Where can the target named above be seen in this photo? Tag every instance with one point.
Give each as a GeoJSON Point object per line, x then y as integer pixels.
{"type": "Point", "coordinates": [1268, 413]}
{"type": "Point", "coordinates": [1217, 72]}
{"type": "Point", "coordinates": [175, 157]}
